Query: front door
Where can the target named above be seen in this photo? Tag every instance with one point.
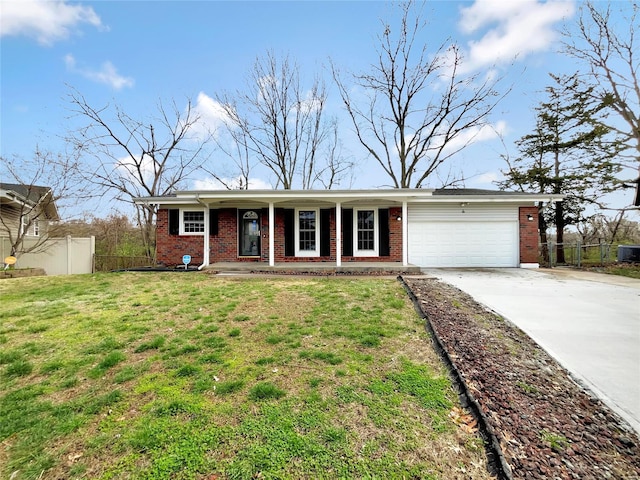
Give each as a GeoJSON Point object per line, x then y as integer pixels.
{"type": "Point", "coordinates": [249, 228]}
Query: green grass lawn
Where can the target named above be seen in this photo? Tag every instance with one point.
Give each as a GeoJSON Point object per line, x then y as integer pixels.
{"type": "Point", "coordinates": [167, 375]}
{"type": "Point", "coordinates": [624, 270]}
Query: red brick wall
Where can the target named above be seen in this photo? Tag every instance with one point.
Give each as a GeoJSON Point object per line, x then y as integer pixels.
{"type": "Point", "coordinates": [171, 248]}
{"type": "Point", "coordinates": [395, 241]}
{"type": "Point", "coordinates": [395, 231]}
{"type": "Point", "coordinates": [224, 245]}
{"type": "Point", "coordinates": [528, 235]}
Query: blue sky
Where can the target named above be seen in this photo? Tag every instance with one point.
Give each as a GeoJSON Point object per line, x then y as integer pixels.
{"type": "Point", "coordinates": [135, 53]}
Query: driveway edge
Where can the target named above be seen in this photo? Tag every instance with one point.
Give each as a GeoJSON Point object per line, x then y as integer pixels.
{"type": "Point", "coordinates": [495, 457]}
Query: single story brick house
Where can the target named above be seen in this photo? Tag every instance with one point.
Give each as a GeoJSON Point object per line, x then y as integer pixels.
{"type": "Point", "coordinates": [422, 227]}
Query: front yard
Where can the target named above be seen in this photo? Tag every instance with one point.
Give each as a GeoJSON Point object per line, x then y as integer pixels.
{"type": "Point", "coordinates": [186, 375]}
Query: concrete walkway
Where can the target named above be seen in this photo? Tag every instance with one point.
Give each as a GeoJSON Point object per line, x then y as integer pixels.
{"type": "Point", "coordinates": [589, 322]}
{"type": "Point", "coordinates": [300, 268]}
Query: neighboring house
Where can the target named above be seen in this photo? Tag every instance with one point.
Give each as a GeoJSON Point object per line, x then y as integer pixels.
{"type": "Point", "coordinates": [426, 228]}
{"type": "Point", "coordinates": [27, 215]}
{"type": "Point", "coordinates": [25, 211]}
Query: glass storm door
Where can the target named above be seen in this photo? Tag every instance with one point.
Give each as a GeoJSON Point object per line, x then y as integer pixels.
{"type": "Point", "coordinates": [249, 233]}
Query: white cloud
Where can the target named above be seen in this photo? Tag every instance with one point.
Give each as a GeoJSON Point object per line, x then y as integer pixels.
{"type": "Point", "coordinates": [107, 74]}
{"type": "Point", "coordinates": [515, 29]}
{"type": "Point", "coordinates": [212, 115]}
{"type": "Point", "coordinates": [45, 20]}
{"type": "Point", "coordinates": [234, 183]}
{"type": "Point", "coordinates": [474, 135]}
{"type": "Point", "coordinates": [487, 178]}
{"type": "Point", "coordinates": [128, 167]}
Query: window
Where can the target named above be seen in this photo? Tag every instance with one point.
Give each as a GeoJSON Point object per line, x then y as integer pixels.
{"type": "Point", "coordinates": [192, 222]}
{"type": "Point", "coordinates": [24, 224]}
{"type": "Point", "coordinates": [28, 227]}
{"type": "Point", "coordinates": [366, 228]}
{"type": "Point", "coordinates": [307, 244]}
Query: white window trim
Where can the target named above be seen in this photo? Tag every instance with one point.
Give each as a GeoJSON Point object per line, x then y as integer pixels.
{"type": "Point", "coordinates": [376, 223]}
{"type": "Point", "coordinates": [182, 210]}
{"type": "Point", "coordinates": [24, 225]}
{"type": "Point", "coordinates": [307, 253]}
{"type": "Point", "coordinates": [28, 227]}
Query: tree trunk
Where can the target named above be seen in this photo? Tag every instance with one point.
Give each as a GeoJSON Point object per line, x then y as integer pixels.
{"type": "Point", "coordinates": [542, 228]}
{"type": "Point", "coordinates": [616, 227]}
{"type": "Point", "coordinates": [560, 232]}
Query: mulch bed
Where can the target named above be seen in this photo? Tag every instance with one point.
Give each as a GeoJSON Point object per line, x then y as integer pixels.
{"type": "Point", "coordinates": [547, 426]}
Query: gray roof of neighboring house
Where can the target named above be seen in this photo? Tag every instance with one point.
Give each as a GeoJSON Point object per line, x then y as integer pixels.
{"type": "Point", "coordinates": [32, 194]}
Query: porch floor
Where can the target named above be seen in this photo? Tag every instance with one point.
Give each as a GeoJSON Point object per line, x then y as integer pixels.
{"type": "Point", "coordinates": [316, 268]}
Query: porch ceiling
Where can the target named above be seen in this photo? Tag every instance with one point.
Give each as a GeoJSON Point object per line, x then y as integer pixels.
{"type": "Point", "coordinates": [316, 268]}
{"type": "Point", "coordinates": [307, 202]}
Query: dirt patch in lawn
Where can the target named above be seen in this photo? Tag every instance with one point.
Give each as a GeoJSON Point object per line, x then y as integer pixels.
{"type": "Point", "coordinates": [547, 426]}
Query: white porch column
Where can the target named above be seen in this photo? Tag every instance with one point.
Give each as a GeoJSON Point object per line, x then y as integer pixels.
{"type": "Point", "coordinates": [272, 229]}
{"type": "Point", "coordinates": [405, 236]}
{"type": "Point", "coordinates": [338, 234]}
{"type": "Point", "coordinates": [207, 239]}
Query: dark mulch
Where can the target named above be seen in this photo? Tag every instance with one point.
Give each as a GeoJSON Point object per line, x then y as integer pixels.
{"type": "Point", "coordinates": [548, 427]}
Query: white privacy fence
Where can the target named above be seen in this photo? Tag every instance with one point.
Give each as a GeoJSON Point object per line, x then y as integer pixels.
{"type": "Point", "coordinates": [58, 256]}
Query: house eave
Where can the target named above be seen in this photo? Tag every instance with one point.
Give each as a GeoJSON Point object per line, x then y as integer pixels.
{"type": "Point", "coordinates": [49, 207]}
{"type": "Point", "coordinates": [394, 196]}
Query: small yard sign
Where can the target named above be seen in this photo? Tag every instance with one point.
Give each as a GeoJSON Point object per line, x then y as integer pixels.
{"type": "Point", "coordinates": [186, 259]}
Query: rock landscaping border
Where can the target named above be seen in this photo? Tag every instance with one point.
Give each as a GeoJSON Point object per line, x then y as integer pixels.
{"type": "Point", "coordinates": [537, 421]}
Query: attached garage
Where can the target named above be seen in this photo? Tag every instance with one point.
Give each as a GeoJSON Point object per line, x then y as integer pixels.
{"type": "Point", "coordinates": [463, 235]}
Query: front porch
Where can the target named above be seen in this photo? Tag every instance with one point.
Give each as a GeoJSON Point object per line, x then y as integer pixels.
{"type": "Point", "coordinates": [315, 268]}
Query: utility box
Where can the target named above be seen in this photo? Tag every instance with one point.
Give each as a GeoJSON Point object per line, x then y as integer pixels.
{"type": "Point", "coordinates": [629, 253]}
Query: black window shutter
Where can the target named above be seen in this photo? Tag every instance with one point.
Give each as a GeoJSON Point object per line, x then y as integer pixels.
{"type": "Point", "coordinates": [289, 232]}
{"type": "Point", "coordinates": [174, 221]}
{"type": "Point", "coordinates": [325, 232]}
{"type": "Point", "coordinates": [213, 222]}
{"type": "Point", "coordinates": [383, 232]}
{"type": "Point", "coordinates": [347, 232]}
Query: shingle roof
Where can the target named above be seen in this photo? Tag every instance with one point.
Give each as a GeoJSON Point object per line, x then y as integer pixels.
{"type": "Point", "coordinates": [33, 193]}
{"type": "Point", "coordinates": [472, 191]}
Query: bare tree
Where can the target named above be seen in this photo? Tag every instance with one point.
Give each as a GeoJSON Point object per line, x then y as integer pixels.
{"type": "Point", "coordinates": [609, 229]}
{"type": "Point", "coordinates": [611, 54]}
{"type": "Point", "coordinates": [235, 144]}
{"type": "Point", "coordinates": [283, 126]}
{"type": "Point", "coordinates": [419, 109]}
{"type": "Point", "coordinates": [34, 190]}
{"type": "Point", "coordinates": [131, 158]}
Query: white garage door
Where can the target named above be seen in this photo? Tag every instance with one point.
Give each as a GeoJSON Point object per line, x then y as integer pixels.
{"type": "Point", "coordinates": [481, 236]}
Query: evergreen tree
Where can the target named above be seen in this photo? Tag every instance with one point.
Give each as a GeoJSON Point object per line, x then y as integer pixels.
{"type": "Point", "coordinates": [570, 152]}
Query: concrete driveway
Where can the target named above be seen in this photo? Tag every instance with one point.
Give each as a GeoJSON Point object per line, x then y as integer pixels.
{"type": "Point", "coordinates": [589, 322]}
